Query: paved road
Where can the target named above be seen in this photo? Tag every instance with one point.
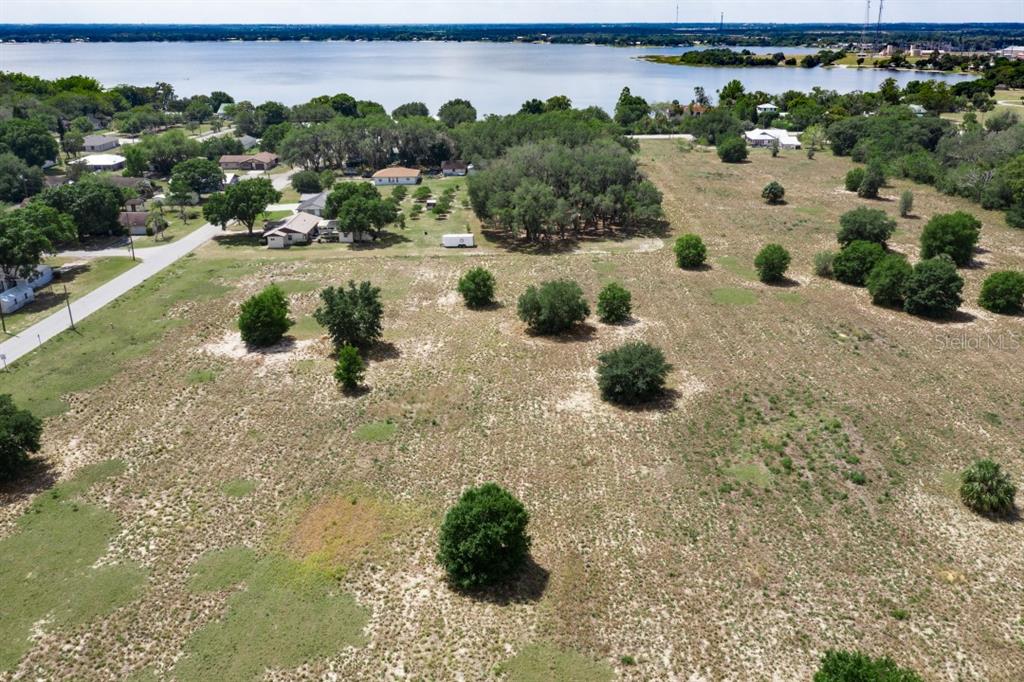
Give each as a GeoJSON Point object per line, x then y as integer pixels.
{"type": "Point", "coordinates": [156, 259]}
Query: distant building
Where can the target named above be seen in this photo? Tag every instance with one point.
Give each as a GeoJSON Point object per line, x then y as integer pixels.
{"type": "Point", "coordinates": [262, 161]}
{"type": "Point", "coordinates": [454, 168]}
{"type": "Point", "coordinates": [248, 142]}
{"type": "Point", "coordinates": [766, 137]}
{"type": "Point", "coordinates": [229, 180]}
{"type": "Point", "coordinates": [133, 221]}
{"type": "Point", "coordinates": [1012, 52]}
{"type": "Point", "coordinates": [396, 175]}
{"type": "Point", "coordinates": [100, 143]}
{"type": "Point", "coordinates": [300, 228]}
{"type": "Point", "coordinates": [101, 162]}
{"type": "Point", "coordinates": [222, 110]}
{"type": "Point", "coordinates": [917, 109]}
{"type": "Point", "coordinates": [313, 204]}
{"type": "Point", "coordinates": [767, 108]}
{"type": "Point", "coordinates": [141, 185]}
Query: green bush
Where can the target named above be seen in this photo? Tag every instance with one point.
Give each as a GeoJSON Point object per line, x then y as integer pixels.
{"type": "Point", "coordinates": [632, 373]}
{"type": "Point", "coordinates": [1015, 216]}
{"type": "Point", "coordinates": [854, 179]}
{"type": "Point", "coordinates": [873, 181]}
{"type": "Point", "coordinates": [853, 666]}
{"type": "Point", "coordinates": [886, 280]}
{"type": "Point", "coordinates": [351, 316]}
{"type": "Point", "coordinates": [350, 368]}
{"type": "Point", "coordinates": [20, 431]}
{"type": "Point", "coordinates": [477, 287]}
{"type": "Point", "coordinates": [690, 251]}
{"type": "Point", "coordinates": [327, 179]}
{"type": "Point", "coordinates": [554, 307]}
{"type": "Point", "coordinates": [933, 289]}
{"type": "Point", "coordinates": [483, 538]}
{"type": "Point", "coordinates": [1003, 292]}
{"type": "Point", "coordinates": [399, 192]}
{"type": "Point", "coordinates": [823, 263]}
{"type": "Point", "coordinates": [987, 489]}
{"type": "Point", "coordinates": [855, 261]}
{"type": "Point", "coordinates": [865, 224]}
{"type": "Point", "coordinates": [772, 262]}
{"type": "Point", "coordinates": [773, 193]}
{"type": "Point", "coordinates": [614, 304]}
{"type": "Point", "coordinates": [732, 150]}
{"type": "Point", "coordinates": [307, 182]}
{"type": "Point", "coordinates": [952, 234]}
{"type": "Point", "coordinates": [906, 203]}
{"type": "Point", "coordinates": [263, 319]}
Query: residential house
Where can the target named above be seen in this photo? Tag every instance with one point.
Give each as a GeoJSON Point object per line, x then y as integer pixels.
{"type": "Point", "coordinates": [222, 110]}
{"type": "Point", "coordinates": [300, 228]}
{"type": "Point", "coordinates": [313, 203]}
{"type": "Point", "coordinates": [100, 143]}
{"type": "Point", "coordinates": [141, 185]}
{"type": "Point", "coordinates": [134, 205]}
{"type": "Point", "coordinates": [229, 180]}
{"type": "Point", "coordinates": [262, 161]}
{"type": "Point", "coordinates": [695, 110]}
{"type": "Point", "coordinates": [767, 108]}
{"type": "Point", "coordinates": [454, 168]}
{"type": "Point", "coordinates": [101, 162]}
{"type": "Point", "coordinates": [54, 180]}
{"type": "Point", "coordinates": [134, 222]}
{"type": "Point", "coordinates": [397, 175]}
{"type": "Point", "coordinates": [917, 110]}
{"type": "Point", "coordinates": [329, 229]}
{"type": "Point", "coordinates": [248, 142]}
{"type": "Point", "coordinates": [767, 137]}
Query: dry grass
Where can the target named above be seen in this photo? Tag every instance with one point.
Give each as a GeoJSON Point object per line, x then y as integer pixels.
{"type": "Point", "coordinates": [717, 535]}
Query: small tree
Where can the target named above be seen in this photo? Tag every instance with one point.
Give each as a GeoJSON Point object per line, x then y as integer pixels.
{"type": "Point", "coordinates": [773, 193]}
{"type": "Point", "coordinates": [874, 179]}
{"type": "Point", "coordinates": [855, 261]}
{"type": "Point", "coordinates": [865, 224]}
{"type": "Point", "coordinates": [933, 289]}
{"type": "Point", "coordinates": [952, 234]}
{"type": "Point", "coordinates": [823, 263]}
{"type": "Point", "coordinates": [399, 193]}
{"type": "Point", "coordinates": [483, 538]}
{"type": "Point", "coordinates": [554, 307]}
{"type": "Point", "coordinates": [772, 262]}
{"type": "Point", "coordinates": [854, 178]}
{"type": "Point", "coordinates": [631, 374]}
{"type": "Point", "coordinates": [775, 148]}
{"type": "Point", "coordinates": [351, 316]}
{"type": "Point", "coordinates": [1003, 292]}
{"type": "Point", "coordinates": [614, 304]}
{"type": "Point", "coordinates": [732, 150]}
{"type": "Point", "coordinates": [350, 368]}
{"type": "Point", "coordinates": [307, 182]}
{"type": "Point", "coordinates": [263, 319]}
{"type": "Point", "coordinates": [477, 288]}
{"type": "Point", "coordinates": [422, 193]}
{"type": "Point", "coordinates": [906, 203]}
{"type": "Point", "coordinates": [987, 489]}
{"type": "Point", "coordinates": [20, 431]}
{"type": "Point", "coordinates": [690, 251]}
{"type": "Point", "coordinates": [853, 666]}
{"type": "Point", "coordinates": [886, 280]}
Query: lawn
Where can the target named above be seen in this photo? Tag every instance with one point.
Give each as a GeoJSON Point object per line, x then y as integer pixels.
{"type": "Point", "coordinates": [789, 495]}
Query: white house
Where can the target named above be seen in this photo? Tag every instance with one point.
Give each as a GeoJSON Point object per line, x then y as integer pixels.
{"type": "Point", "coordinates": [396, 175]}
{"type": "Point", "coordinates": [100, 143]}
{"type": "Point", "coordinates": [767, 108]}
{"type": "Point", "coordinates": [917, 110]}
{"type": "Point", "coordinates": [766, 137]}
{"type": "Point", "coordinates": [329, 228]}
{"type": "Point", "coordinates": [229, 180]}
{"type": "Point", "coordinates": [16, 298]}
{"type": "Point", "coordinates": [101, 162]}
{"type": "Point", "coordinates": [300, 228]}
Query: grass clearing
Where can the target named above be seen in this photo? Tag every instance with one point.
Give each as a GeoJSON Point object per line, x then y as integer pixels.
{"type": "Point", "coordinates": [733, 296]}
{"type": "Point", "coordinates": [543, 662]}
{"type": "Point", "coordinates": [375, 432]}
{"type": "Point", "coordinates": [238, 487]}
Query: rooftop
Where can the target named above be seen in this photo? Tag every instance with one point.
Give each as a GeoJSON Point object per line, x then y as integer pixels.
{"type": "Point", "coordinates": [397, 172]}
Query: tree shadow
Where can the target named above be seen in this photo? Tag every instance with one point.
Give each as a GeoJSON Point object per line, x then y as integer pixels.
{"type": "Point", "coordinates": [527, 587]}
{"type": "Point", "coordinates": [784, 283]}
{"type": "Point", "coordinates": [236, 239]}
{"type": "Point", "coordinates": [37, 476]}
{"type": "Point", "coordinates": [1008, 517]}
{"type": "Point", "coordinates": [285, 345]}
{"type": "Point", "coordinates": [556, 245]}
{"type": "Point", "coordinates": [703, 267]}
{"type": "Point", "coordinates": [388, 239]}
{"type": "Point", "coordinates": [665, 402]}
{"type": "Point", "coordinates": [579, 333]}
{"type": "Point", "coordinates": [385, 350]}
{"type": "Point", "coordinates": [487, 307]}
{"type": "Point", "coordinates": [956, 317]}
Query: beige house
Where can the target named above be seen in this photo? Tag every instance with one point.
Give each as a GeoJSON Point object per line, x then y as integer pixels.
{"type": "Point", "coordinates": [300, 228]}
{"type": "Point", "coordinates": [396, 175]}
{"type": "Point", "coordinates": [262, 161]}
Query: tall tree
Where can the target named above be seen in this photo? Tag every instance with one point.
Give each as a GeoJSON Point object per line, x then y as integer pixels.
{"type": "Point", "coordinates": [243, 202]}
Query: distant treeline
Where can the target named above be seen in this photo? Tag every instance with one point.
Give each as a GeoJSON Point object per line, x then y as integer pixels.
{"type": "Point", "coordinates": [969, 37]}
{"type": "Point", "coordinates": [725, 57]}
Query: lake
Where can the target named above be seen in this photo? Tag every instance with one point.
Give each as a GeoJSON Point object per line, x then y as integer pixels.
{"type": "Point", "coordinates": [495, 77]}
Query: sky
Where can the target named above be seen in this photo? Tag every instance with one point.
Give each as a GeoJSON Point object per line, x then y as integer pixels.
{"type": "Point", "coordinates": [499, 11]}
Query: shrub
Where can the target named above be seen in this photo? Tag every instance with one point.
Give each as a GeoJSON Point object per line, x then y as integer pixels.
{"type": "Point", "coordinates": [823, 263]}
{"type": "Point", "coordinates": [351, 316]}
{"type": "Point", "coordinates": [906, 203]}
{"type": "Point", "coordinates": [614, 304]}
{"type": "Point", "coordinates": [855, 261]}
{"type": "Point", "coordinates": [554, 307]}
{"type": "Point", "coordinates": [772, 262]}
{"type": "Point", "coordinates": [865, 224]}
{"type": "Point", "coordinates": [20, 431]}
{"type": "Point", "coordinates": [952, 234]}
{"type": "Point", "coordinates": [732, 150]}
{"type": "Point", "coordinates": [399, 192]}
{"type": "Point", "coordinates": [422, 193]}
{"type": "Point", "coordinates": [854, 179]}
{"type": "Point", "coordinates": [853, 666]}
{"type": "Point", "coordinates": [933, 289]}
{"type": "Point", "coordinates": [263, 319]}
{"type": "Point", "coordinates": [1015, 216]}
{"type": "Point", "coordinates": [327, 179]}
{"type": "Point", "coordinates": [483, 537]}
{"type": "Point", "coordinates": [1003, 292]}
{"type": "Point", "coordinates": [477, 287]}
{"type": "Point", "coordinates": [307, 182]}
{"type": "Point", "coordinates": [873, 180]}
{"type": "Point", "coordinates": [986, 488]}
{"type": "Point", "coordinates": [887, 279]}
{"type": "Point", "coordinates": [632, 373]}
{"type": "Point", "coordinates": [690, 251]}
{"type": "Point", "coordinates": [350, 368]}
{"type": "Point", "coordinates": [773, 193]}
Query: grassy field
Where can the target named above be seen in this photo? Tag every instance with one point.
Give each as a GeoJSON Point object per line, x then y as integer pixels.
{"type": "Point", "coordinates": [794, 492]}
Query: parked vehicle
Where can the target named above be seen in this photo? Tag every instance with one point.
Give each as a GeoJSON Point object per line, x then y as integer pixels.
{"type": "Point", "coordinates": [457, 241]}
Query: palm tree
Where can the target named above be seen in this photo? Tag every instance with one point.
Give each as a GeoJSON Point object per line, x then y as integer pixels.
{"type": "Point", "coordinates": [987, 489]}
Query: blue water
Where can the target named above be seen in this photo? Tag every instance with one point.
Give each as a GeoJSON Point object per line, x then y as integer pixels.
{"type": "Point", "coordinates": [495, 77]}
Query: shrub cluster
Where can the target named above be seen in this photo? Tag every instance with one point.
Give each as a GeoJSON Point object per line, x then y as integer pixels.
{"type": "Point", "coordinates": [1003, 292]}
{"type": "Point", "coordinates": [263, 319]}
{"type": "Point", "coordinates": [888, 279]}
{"type": "Point", "coordinates": [933, 288]}
{"type": "Point", "coordinates": [614, 304]}
{"type": "Point", "coordinates": [953, 234]}
{"type": "Point", "coordinates": [773, 193]}
{"type": "Point", "coordinates": [853, 666]}
{"type": "Point", "coordinates": [772, 262]}
{"type": "Point", "coordinates": [554, 307]}
{"type": "Point", "coordinates": [477, 287]}
{"type": "Point", "coordinates": [20, 431]}
{"type": "Point", "coordinates": [732, 150]}
{"type": "Point", "coordinates": [865, 224]}
{"type": "Point", "coordinates": [631, 374]}
{"type": "Point", "coordinates": [854, 262]}
{"type": "Point", "coordinates": [987, 489]}
{"type": "Point", "coordinates": [690, 251]}
{"type": "Point", "coordinates": [351, 316]}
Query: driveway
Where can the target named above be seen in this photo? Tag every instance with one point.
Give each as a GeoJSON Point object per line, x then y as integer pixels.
{"type": "Point", "coordinates": [157, 258]}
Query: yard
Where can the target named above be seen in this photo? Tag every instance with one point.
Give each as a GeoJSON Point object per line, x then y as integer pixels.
{"type": "Point", "coordinates": [719, 534]}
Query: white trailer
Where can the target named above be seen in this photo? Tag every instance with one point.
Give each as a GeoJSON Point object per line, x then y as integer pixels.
{"type": "Point", "coordinates": [40, 278]}
{"type": "Point", "coordinates": [16, 298]}
{"type": "Point", "coordinates": [457, 241]}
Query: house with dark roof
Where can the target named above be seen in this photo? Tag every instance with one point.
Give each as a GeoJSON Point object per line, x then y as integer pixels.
{"type": "Point", "coordinates": [300, 228]}
{"type": "Point", "coordinates": [133, 221]}
{"type": "Point", "coordinates": [261, 161]}
{"type": "Point", "coordinates": [100, 143]}
{"type": "Point", "coordinates": [454, 168]}
{"type": "Point", "coordinates": [313, 203]}
{"type": "Point", "coordinates": [248, 142]}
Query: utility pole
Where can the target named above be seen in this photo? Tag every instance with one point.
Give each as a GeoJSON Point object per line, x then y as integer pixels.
{"type": "Point", "coordinates": [67, 302]}
{"type": "Point", "coordinates": [131, 244]}
{"type": "Point", "coordinates": [3, 322]}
